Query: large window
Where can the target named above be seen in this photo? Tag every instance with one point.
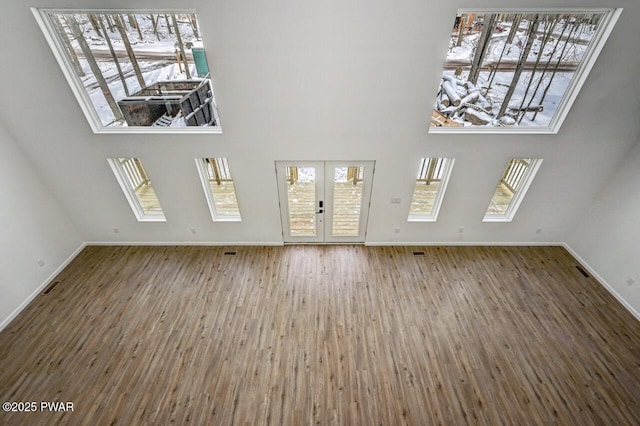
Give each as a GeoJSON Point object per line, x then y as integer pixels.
{"type": "Point", "coordinates": [137, 189]}
{"type": "Point", "coordinates": [517, 71]}
{"type": "Point", "coordinates": [513, 185]}
{"type": "Point", "coordinates": [431, 184]}
{"type": "Point", "coordinates": [134, 71]}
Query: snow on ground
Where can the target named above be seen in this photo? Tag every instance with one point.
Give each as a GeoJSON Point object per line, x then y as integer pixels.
{"type": "Point", "coordinates": [499, 50]}
{"type": "Point", "coordinates": [160, 69]}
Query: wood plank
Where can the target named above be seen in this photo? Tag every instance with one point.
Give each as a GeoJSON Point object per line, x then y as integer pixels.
{"type": "Point", "coordinates": [324, 334]}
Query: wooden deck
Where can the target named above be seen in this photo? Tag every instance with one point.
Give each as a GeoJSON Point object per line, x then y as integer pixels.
{"type": "Point", "coordinates": [347, 199]}
{"type": "Point", "coordinates": [500, 200]}
{"type": "Point", "coordinates": [225, 198]}
{"type": "Point", "coordinates": [302, 335]}
{"type": "Point", "coordinates": [423, 198]}
{"type": "Point", "coordinates": [148, 199]}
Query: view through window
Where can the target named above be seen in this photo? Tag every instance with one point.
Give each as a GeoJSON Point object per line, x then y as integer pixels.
{"type": "Point", "coordinates": [137, 189]}
{"type": "Point", "coordinates": [517, 69]}
{"type": "Point", "coordinates": [134, 69]}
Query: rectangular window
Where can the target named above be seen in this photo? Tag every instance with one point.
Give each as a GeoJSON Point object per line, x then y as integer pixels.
{"type": "Point", "coordinates": [137, 188]}
{"type": "Point", "coordinates": [431, 184]}
{"type": "Point", "coordinates": [134, 71]}
{"type": "Point", "coordinates": [219, 189]}
{"type": "Point", "coordinates": [513, 185]}
{"type": "Point", "coordinates": [517, 71]}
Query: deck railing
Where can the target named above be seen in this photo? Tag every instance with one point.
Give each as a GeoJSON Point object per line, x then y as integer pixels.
{"type": "Point", "coordinates": [218, 170]}
{"type": "Point", "coordinates": [431, 170]}
{"type": "Point", "coordinates": [514, 172]}
{"type": "Point", "coordinates": [135, 172]}
{"type": "Point", "coordinates": [354, 174]}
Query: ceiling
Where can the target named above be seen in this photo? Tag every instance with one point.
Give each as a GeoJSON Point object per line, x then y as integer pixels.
{"type": "Point", "coordinates": [333, 80]}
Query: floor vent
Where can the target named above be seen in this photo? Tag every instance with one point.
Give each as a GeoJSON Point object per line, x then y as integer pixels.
{"type": "Point", "coordinates": [418, 253]}
{"type": "Point", "coordinates": [51, 287]}
{"type": "Point", "coordinates": [582, 271]}
{"type": "Point", "coordinates": [230, 253]}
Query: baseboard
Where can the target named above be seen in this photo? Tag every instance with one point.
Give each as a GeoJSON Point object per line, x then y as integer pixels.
{"type": "Point", "coordinates": [184, 243]}
{"type": "Point", "coordinates": [602, 281]}
{"type": "Point", "coordinates": [41, 287]}
{"type": "Point", "coordinates": [461, 243]}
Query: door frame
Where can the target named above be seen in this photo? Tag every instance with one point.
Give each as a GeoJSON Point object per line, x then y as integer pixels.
{"type": "Point", "coordinates": [324, 192]}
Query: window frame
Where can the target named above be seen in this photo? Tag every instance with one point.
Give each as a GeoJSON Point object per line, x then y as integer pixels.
{"type": "Point", "coordinates": [437, 202]}
{"type": "Point", "coordinates": [130, 194]}
{"type": "Point", "coordinates": [42, 17]}
{"type": "Point", "coordinates": [610, 18]}
{"type": "Point", "coordinates": [526, 181]}
{"type": "Point", "coordinates": [208, 194]}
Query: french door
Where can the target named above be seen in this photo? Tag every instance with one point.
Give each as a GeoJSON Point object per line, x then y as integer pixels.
{"type": "Point", "coordinates": [324, 201]}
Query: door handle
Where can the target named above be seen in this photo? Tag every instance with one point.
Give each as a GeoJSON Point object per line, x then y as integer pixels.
{"type": "Point", "coordinates": [320, 207]}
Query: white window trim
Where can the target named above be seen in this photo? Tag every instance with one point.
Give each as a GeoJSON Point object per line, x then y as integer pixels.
{"type": "Point", "coordinates": [130, 194]}
{"type": "Point", "coordinates": [202, 172]}
{"type": "Point", "coordinates": [608, 23]}
{"type": "Point", "coordinates": [437, 202]}
{"type": "Point", "coordinates": [526, 181]}
{"type": "Point", "coordinates": [78, 89]}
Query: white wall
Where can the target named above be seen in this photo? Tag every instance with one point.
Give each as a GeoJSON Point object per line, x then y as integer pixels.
{"type": "Point", "coordinates": [34, 227]}
{"type": "Point", "coordinates": [608, 238]}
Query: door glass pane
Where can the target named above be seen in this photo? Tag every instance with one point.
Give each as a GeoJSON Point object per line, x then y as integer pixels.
{"type": "Point", "coordinates": [301, 198]}
{"type": "Point", "coordinates": [347, 200]}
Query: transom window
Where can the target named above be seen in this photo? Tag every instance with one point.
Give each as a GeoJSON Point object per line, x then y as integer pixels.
{"type": "Point", "coordinates": [134, 71]}
{"type": "Point", "coordinates": [517, 70]}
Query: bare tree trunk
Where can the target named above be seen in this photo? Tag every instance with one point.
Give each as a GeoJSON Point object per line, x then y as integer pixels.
{"type": "Point", "coordinates": [127, 45]}
{"type": "Point", "coordinates": [115, 58]}
{"type": "Point", "coordinates": [135, 20]}
{"type": "Point", "coordinates": [67, 44]}
{"type": "Point", "coordinates": [461, 29]}
{"type": "Point", "coordinates": [194, 24]}
{"type": "Point", "coordinates": [154, 22]}
{"type": "Point", "coordinates": [519, 67]}
{"type": "Point", "coordinates": [94, 23]}
{"type": "Point", "coordinates": [181, 47]}
{"type": "Point", "coordinates": [166, 20]}
{"type": "Point", "coordinates": [514, 28]}
{"type": "Point", "coordinates": [481, 49]}
{"type": "Point", "coordinates": [547, 34]}
{"type": "Point", "coordinates": [95, 69]}
{"type": "Point", "coordinates": [110, 23]}
{"type": "Point", "coordinates": [555, 69]}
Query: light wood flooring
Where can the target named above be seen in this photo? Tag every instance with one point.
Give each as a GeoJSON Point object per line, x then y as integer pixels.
{"type": "Point", "coordinates": [341, 335]}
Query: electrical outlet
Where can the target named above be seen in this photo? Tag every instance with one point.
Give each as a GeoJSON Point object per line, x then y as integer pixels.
{"type": "Point", "coordinates": [193, 230]}
{"type": "Point", "coordinates": [461, 230]}
{"type": "Point", "coordinates": [396, 230]}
